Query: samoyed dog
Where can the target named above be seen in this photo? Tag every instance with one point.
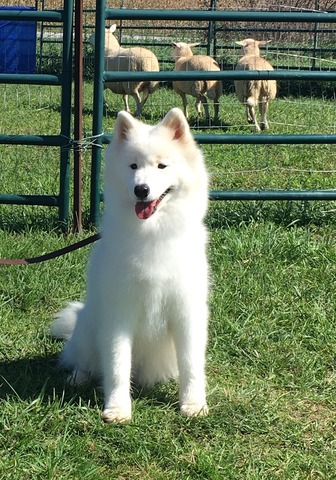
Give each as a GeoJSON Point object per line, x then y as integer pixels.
{"type": "Point", "coordinates": [144, 319]}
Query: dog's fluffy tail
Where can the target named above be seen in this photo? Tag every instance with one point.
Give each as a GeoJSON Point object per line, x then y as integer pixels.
{"type": "Point", "coordinates": [64, 321]}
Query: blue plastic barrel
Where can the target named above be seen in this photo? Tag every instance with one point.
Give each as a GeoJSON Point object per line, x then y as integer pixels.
{"type": "Point", "coordinates": [17, 44]}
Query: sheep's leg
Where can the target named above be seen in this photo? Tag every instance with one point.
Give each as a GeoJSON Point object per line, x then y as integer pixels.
{"type": "Point", "coordinates": [251, 116]}
{"type": "Point", "coordinates": [249, 113]}
{"type": "Point", "coordinates": [145, 95]}
{"type": "Point", "coordinates": [137, 98]}
{"type": "Point", "coordinates": [125, 98]}
{"type": "Point", "coordinates": [185, 104]}
{"type": "Point", "coordinates": [105, 104]}
{"type": "Point", "coordinates": [263, 112]}
{"type": "Point", "coordinates": [216, 110]}
{"type": "Point", "coordinates": [198, 105]}
{"type": "Point", "coordinates": [205, 106]}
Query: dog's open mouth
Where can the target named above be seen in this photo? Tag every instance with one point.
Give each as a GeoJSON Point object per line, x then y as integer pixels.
{"type": "Point", "coordinates": [145, 210]}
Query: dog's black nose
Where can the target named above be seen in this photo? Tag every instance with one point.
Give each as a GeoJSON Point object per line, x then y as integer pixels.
{"type": "Point", "coordinates": [141, 191]}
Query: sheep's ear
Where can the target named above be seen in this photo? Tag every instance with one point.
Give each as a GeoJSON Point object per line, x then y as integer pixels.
{"type": "Point", "coordinates": [113, 28]}
{"type": "Point", "coordinates": [174, 44]}
{"type": "Point", "coordinates": [241, 43]}
{"type": "Point", "coordinates": [191, 45]}
{"type": "Point", "coordinates": [176, 122]}
{"type": "Point", "coordinates": [125, 122]}
{"type": "Point", "coordinates": [263, 42]}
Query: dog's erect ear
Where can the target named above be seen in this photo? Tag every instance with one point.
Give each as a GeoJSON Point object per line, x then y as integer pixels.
{"type": "Point", "coordinates": [176, 122]}
{"type": "Point", "coordinates": [125, 122]}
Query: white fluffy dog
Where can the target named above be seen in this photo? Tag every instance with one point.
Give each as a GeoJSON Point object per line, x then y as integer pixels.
{"type": "Point", "coordinates": [144, 318]}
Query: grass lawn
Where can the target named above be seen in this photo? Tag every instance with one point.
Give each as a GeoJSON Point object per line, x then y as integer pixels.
{"type": "Point", "coordinates": [272, 348]}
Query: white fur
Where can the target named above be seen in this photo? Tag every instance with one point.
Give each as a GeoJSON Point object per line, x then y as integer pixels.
{"type": "Point", "coordinates": [145, 314]}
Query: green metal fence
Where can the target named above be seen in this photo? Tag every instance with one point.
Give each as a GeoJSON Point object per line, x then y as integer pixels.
{"type": "Point", "coordinates": [103, 14]}
{"type": "Point", "coordinates": [64, 81]}
{"type": "Point", "coordinates": [214, 20]}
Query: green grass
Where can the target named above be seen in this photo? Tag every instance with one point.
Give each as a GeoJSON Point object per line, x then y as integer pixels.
{"type": "Point", "coordinates": [271, 354]}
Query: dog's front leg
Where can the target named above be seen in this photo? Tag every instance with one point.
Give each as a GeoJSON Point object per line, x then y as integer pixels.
{"type": "Point", "coordinates": [190, 341]}
{"type": "Point", "coordinates": [116, 353]}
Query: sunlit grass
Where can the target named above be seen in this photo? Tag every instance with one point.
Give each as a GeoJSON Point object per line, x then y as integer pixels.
{"type": "Point", "coordinates": [271, 353]}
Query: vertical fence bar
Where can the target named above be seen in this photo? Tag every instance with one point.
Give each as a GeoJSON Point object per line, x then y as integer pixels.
{"type": "Point", "coordinates": [316, 31]}
{"type": "Point", "coordinates": [78, 115]}
{"type": "Point", "coordinates": [66, 110]}
{"type": "Point", "coordinates": [41, 38]}
{"type": "Point", "coordinates": [211, 31]}
{"type": "Point", "coordinates": [98, 98]}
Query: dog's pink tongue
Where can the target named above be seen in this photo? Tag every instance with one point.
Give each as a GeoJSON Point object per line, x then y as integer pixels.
{"type": "Point", "coordinates": [144, 210]}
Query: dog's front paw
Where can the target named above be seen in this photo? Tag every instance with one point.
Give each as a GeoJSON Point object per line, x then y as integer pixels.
{"type": "Point", "coordinates": [194, 409]}
{"type": "Point", "coordinates": [116, 414]}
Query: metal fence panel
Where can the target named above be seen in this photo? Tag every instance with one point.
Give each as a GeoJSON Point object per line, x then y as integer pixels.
{"type": "Point", "coordinates": [212, 15]}
{"type": "Point", "coordinates": [64, 80]}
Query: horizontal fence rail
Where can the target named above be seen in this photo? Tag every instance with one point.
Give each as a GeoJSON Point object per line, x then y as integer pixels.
{"type": "Point", "coordinates": [42, 140]}
{"type": "Point", "coordinates": [30, 79]}
{"type": "Point", "coordinates": [221, 75]}
{"type": "Point", "coordinates": [255, 139]}
{"type": "Point", "coordinates": [33, 15]}
{"type": "Point", "coordinates": [43, 200]}
{"type": "Point", "coordinates": [268, 139]}
{"type": "Point", "coordinates": [269, 195]}
{"type": "Point", "coordinates": [219, 15]}
{"type": "Point", "coordinates": [273, 195]}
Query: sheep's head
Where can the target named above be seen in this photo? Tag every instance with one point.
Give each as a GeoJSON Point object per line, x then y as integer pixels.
{"type": "Point", "coordinates": [111, 43]}
{"type": "Point", "coordinates": [251, 46]}
{"type": "Point", "coordinates": [182, 49]}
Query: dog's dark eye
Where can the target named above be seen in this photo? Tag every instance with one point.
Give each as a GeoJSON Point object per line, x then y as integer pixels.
{"type": "Point", "coordinates": [162, 166]}
{"type": "Point", "coordinates": [134, 166]}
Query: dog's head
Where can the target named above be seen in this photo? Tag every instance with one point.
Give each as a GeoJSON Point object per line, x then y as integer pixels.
{"type": "Point", "coordinates": [155, 165]}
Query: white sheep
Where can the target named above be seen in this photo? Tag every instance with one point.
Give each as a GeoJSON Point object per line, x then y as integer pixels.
{"type": "Point", "coordinates": [254, 92]}
{"type": "Point", "coordinates": [185, 60]}
{"type": "Point", "coordinates": [135, 59]}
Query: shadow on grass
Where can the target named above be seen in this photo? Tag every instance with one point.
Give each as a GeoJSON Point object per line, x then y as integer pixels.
{"type": "Point", "coordinates": [39, 377]}
{"type": "Point", "coordinates": [28, 219]}
{"type": "Point", "coordinates": [28, 378]}
{"type": "Point", "coordinates": [33, 221]}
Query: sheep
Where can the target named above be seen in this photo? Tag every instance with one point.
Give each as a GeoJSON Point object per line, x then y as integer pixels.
{"type": "Point", "coordinates": [252, 92]}
{"type": "Point", "coordinates": [185, 60]}
{"type": "Point", "coordinates": [131, 60]}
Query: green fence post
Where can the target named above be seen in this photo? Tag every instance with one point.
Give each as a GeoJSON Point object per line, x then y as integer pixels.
{"type": "Point", "coordinates": [98, 99]}
{"type": "Point", "coordinates": [66, 111]}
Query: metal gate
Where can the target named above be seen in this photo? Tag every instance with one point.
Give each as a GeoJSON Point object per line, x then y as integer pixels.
{"type": "Point", "coordinates": [64, 80]}
{"type": "Point", "coordinates": [211, 16]}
